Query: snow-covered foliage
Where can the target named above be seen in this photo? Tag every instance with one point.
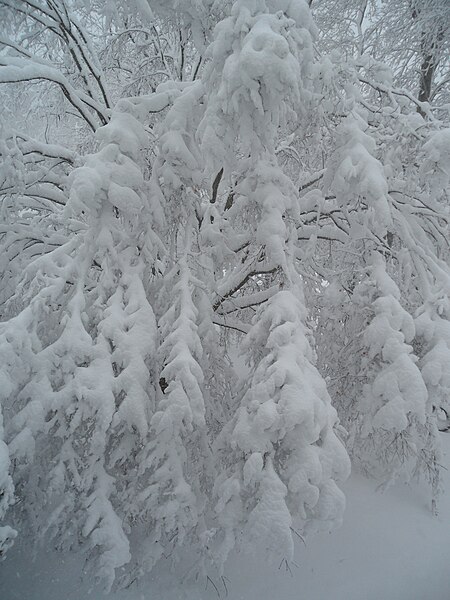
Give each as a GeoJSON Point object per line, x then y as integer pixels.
{"type": "Point", "coordinates": [285, 458]}
{"type": "Point", "coordinates": [7, 533]}
{"type": "Point", "coordinates": [225, 269]}
{"type": "Point", "coordinates": [396, 417]}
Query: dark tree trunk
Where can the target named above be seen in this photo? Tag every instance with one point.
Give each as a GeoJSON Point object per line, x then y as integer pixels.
{"type": "Point", "coordinates": [430, 59]}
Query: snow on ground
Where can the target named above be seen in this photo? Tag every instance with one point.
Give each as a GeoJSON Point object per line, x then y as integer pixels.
{"type": "Point", "coordinates": [389, 548]}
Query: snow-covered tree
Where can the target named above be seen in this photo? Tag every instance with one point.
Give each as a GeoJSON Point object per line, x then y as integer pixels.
{"type": "Point", "coordinates": [284, 455]}
{"type": "Point", "coordinates": [224, 249]}
{"type": "Point", "coordinates": [7, 533]}
{"type": "Point", "coordinates": [394, 399]}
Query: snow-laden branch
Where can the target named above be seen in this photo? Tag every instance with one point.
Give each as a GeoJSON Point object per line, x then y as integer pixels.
{"type": "Point", "coordinates": [15, 70]}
